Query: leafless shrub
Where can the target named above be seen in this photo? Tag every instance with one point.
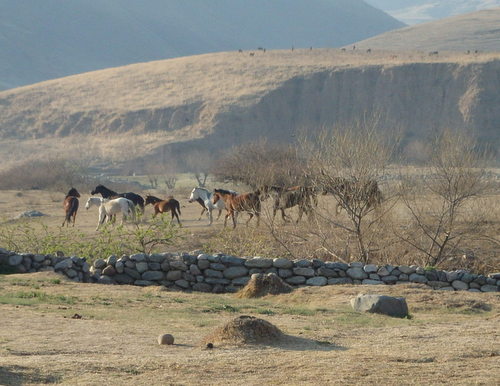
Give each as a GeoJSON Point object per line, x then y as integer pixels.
{"type": "Point", "coordinates": [258, 163]}
{"type": "Point", "coordinates": [200, 164]}
{"type": "Point", "coordinates": [348, 163]}
{"type": "Point", "coordinates": [439, 220]}
{"type": "Point", "coordinates": [49, 174]}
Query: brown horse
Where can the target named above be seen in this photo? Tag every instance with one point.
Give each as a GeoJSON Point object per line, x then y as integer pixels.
{"type": "Point", "coordinates": [161, 206]}
{"type": "Point", "coordinates": [235, 203]}
{"type": "Point", "coordinates": [358, 194]}
{"type": "Point", "coordinates": [70, 205]}
{"type": "Point", "coordinates": [284, 198]}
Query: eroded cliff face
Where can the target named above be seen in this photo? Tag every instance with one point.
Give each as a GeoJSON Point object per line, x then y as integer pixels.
{"type": "Point", "coordinates": [419, 99]}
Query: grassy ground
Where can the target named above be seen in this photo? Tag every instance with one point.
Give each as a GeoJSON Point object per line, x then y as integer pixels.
{"type": "Point", "coordinates": [451, 337]}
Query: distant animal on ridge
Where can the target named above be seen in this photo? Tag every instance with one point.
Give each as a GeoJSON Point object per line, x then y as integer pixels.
{"type": "Point", "coordinates": [70, 205]}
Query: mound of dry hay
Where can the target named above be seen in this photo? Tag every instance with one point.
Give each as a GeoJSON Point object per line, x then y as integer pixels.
{"type": "Point", "coordinates": [262, 285]}
{"type": "Point", "coordinates": [245, 330]}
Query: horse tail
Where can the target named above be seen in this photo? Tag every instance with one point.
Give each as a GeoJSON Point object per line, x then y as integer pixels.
{"type": "Point", "coordinates": [131, 209]}
{"type": "Point", "coordinates": [73, 208]}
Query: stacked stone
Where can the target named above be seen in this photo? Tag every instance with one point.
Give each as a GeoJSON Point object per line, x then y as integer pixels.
{"type": "Point", "coordinates": [75, 268]}
{"type": "Point", "coordinates": [223, 273]}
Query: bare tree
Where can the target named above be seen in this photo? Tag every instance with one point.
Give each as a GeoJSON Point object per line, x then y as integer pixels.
{"type": "Point", "coordinates": [438, 220]}
{"type": "Point", "coordinates": [261, 163]}
{"type": "Point", "coordinates": [348, 163]}
{"type": "Point", "coordinates": [200, 164]}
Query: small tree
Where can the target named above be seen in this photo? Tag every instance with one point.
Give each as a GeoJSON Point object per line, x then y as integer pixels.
{"type": "Point", "coordinates": [348, 164]}
{"type": "Point", "coordinates": [438, 222]}
{"type": "Point", "coordinates": [261, 163]}
{"type": "Point", "coordinates": [200, 164]}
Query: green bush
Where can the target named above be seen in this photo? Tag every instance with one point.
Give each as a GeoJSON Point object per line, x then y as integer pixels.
{"type": "Point", "coordinates": [36, 237]}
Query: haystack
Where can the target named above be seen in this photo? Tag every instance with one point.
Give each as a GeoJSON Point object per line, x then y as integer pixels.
{"type": "Point", "coordinates": [245, 330]}
{"type": "Point", "coordinates": [264, 284]}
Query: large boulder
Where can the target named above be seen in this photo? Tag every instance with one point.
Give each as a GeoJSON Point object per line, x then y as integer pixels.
{"type": "Point", "coordinates": [380, 304]}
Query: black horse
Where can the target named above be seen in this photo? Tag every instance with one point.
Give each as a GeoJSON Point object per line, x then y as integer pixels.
{"type": "Point", "coordinates": [108, 193]}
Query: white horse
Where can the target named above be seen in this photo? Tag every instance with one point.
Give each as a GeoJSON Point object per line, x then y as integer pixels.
{"type": "Point", "coordinates": [109, 208]}
{"type": "Point", "coordinates": [205, 199]}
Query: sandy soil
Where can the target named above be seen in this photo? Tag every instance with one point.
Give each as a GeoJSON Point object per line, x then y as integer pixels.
{"type": "Point", "coordinates": [451, 337]}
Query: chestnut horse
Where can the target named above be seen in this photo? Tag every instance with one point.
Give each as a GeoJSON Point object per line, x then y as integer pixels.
{"type": "Point", "coordinates": [70, 205]}
{"type": "Point", "coordinates": [161, 206]}
{"type": "Point", "coordinates": [235, 203]}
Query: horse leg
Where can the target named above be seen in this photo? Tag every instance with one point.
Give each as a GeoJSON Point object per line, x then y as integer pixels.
{"type": "Point", "coordinates": [220, 212]}
{"type": "Point", "coordinates": [176, 215]}
{"type": "Point", "coordinates": [274, 212]}
{"type": "Point", "coordinates": [74, 218]}
{"type": "Point", "coordinates": [210, 216]}
{"type": "Point", "coordinates": [283, 215]}
{"type": "Point", "coordinates": [249, 218]}
{"type": "Point", "coordinates": [102, 217]}
{"type": "Point", "coordinates": [201, 214]}
{"type": "Point", "coordinates": [301, 212]}
{"type": "Point", "coordinates": [226, 217]}
{"type": "Point", "coordinates": [235, 217]}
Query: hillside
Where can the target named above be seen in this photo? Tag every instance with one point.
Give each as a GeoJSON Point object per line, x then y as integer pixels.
{"type": "Point", "coordinates": [421, 11]}
{"type": "Point", "coordinates": [473, 31]}
{"type": "Point", "coordinates": [49, 39]}
{"type": "Point", "coordinates": [213, 101]}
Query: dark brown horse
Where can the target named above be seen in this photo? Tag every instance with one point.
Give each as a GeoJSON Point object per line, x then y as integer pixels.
{"type": "Point", "coordinates": [285, 198]}
{"type": "Point", "coordinates": [355, 194]}
{"type": "Point", "coordinates": [70, 205]}
{"type": "Point", "coordinates": [235, 203]}
{"type": "Point", "coordinates": [161, 206]}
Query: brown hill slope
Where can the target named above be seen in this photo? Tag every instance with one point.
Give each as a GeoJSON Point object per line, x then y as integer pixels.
{"type": "Point", "coordinates": [216, 100]}
{"type": "Point", "coordinates": [473, 31]}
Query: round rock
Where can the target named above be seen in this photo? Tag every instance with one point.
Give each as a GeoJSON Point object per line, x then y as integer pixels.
{"type": "Point", "coordinates": [166, 339]}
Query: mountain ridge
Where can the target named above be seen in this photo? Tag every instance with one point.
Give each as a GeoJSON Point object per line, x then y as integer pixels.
{"type": "Point", "coordinates": [213, 101]}
{"type": "Point", "coordinates": [56, 38]}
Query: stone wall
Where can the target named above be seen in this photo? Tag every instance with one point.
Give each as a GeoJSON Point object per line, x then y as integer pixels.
{"type": "Point", "coordinates": [224, 273]}
{"type": "Point", "coordinates": [75, 268]}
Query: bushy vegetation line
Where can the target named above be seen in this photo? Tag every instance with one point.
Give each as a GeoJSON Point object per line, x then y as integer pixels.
{"type": "Point", "coordinates": [36, 237]}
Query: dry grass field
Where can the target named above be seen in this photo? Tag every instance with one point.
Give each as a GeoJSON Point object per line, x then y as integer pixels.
{"type": "Point", "coordinates": [451, 337]}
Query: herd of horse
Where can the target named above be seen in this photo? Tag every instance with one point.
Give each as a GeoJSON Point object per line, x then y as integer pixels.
{"type": "Point", "coordinates": [348, 192]}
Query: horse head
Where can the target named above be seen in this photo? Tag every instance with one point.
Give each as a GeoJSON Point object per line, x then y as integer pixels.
{"type": "Point", "coordinates": [73, 193]}
{"type": "Point", "coordinates": [151, 200]}
{"type": "Point", "coordinates": [105, 192]}
{"type": "Point", "coordinates": [217, 197]}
